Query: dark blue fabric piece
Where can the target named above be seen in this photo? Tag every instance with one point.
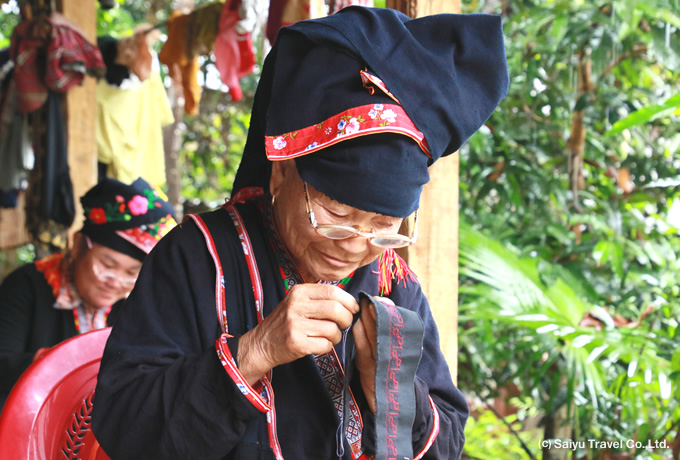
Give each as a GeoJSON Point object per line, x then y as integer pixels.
{"type": "Point", "coordinates": [56, 202]}
{"type": "Point", "coordinates": [115, 73]}
{"type": "Point", "coordinates": [348, 173]}
{"type": "Point", "coordinates": [448, 71]}
{"type": "Point", "coordinates": [4, 56]}
{"type": "Point", "coordinates": [9, 198]}
{"type": "Point", "coordinates": [399, 335]}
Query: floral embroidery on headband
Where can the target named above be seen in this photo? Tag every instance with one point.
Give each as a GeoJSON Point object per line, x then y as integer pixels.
{"type": "Point", "coordinates": [388, 116]}
{"type": "Point", "coordinates": [146, 236]}
{"type": "Point", "coordinates": [357, 121]}
{"type": "Point", "coordinates": [122, 210]}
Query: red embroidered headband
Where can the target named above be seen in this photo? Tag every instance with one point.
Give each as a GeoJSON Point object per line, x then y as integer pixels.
{"type": "Point", "coordinates": [354, 122]}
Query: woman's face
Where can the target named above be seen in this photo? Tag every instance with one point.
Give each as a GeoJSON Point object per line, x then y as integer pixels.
{"type": "Point", "coordinates": [317, 257]}
{"type": "Point", "coordinates": [101, 275]}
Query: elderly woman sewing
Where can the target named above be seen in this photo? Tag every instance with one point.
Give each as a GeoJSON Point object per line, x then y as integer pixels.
{"type": "Point", "coordinates": [284, 325]}
{"type": "Point", "coordinates": [67, 294]}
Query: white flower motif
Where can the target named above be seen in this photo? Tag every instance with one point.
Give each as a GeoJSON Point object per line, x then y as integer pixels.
{"type": "Point", "coordinates": [352, 127]}
{"type": "Point", "coordinates": [328, 130]}
{"type": "Point", "coordinates": [279, 143]}
{"type": "Point", "coordinates": [378, 106]}
{"type": "Point", "coordinates": [373, 114]}
{"type": "Point", "coordinates": [342, 124]}
{"type": "Point", "coordinates": [389, 115]}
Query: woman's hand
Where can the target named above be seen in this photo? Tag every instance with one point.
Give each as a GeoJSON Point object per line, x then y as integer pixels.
{"type": "Point", "coordinates": [364, 331]}
{"type": "Point", "coordinates": [308, 320]}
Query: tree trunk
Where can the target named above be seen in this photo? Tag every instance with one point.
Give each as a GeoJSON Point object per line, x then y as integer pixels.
{"type": "Point", "coordinates": [172, 136]}
{"type": "Point", "coordinates": [577, 139]}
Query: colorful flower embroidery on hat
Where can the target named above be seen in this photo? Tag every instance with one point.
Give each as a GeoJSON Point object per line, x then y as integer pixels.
{"type": "Point", "coordinates": [122, 211]}
{"type": "Point", "coordinates": [97, 215]}
{"type": "Point", "coordinates": [138, 205]}
{"type": "Point", "coordinates": [145, 237]}
{"type": "Point", "coordinates": [357, 121]}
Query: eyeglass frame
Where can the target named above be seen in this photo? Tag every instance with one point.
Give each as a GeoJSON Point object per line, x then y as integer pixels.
{"type": "Point", "coordinates": [106, 276]}
{"type": "Point", "coordinates": [357, 231]}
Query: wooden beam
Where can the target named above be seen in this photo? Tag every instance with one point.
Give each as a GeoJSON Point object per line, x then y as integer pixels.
{"type": "Point", "coordinates": [435, 257]}
{"type": "Point", "coordinates": [81, 111]}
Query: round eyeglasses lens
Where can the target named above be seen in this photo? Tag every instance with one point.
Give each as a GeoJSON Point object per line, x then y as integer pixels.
{"type": "Point", "coordinates": [107, 277]}
{"type": "Point", "coordinates": [336, 232]}
{"type": "Point", "coordinates": [391, 241]}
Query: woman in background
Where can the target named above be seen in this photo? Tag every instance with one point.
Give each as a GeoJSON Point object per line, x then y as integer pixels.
{"type": "Point", "coordinates": [66, 294]}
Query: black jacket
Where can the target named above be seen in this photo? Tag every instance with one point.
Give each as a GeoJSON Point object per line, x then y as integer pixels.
{"type": "Point", "coordinates": [162, 392]}
{"type": "Point", "coordinates": [28, 321]}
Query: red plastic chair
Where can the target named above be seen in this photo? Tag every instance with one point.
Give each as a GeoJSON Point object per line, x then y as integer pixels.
{"type": "Point", "coordinates": [48, 412]}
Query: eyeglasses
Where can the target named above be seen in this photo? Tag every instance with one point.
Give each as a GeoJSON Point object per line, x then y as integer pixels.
{"type": "Point", "coordinates": [108, 276]}
{"type": "Point", "coordinates": [341, 232]}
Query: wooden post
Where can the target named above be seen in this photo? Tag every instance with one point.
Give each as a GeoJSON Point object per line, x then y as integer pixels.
{"type": "Point", "coordinates": [81, 111]}
{"type": "Point", "coordinates": [435, 257]}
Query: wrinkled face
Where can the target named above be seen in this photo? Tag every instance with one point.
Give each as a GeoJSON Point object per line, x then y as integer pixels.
{"type": "Point", "coordinates": [101, 275]}
{"type": "Point", "coordinates": [317, 257]}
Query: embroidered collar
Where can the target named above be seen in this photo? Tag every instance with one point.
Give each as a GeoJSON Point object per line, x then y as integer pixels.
{"type": "Point", "coordinates": [55, 270]}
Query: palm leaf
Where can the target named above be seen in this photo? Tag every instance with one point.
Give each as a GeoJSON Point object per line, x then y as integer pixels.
{"type": "Point", "coordinates": [511, 290]}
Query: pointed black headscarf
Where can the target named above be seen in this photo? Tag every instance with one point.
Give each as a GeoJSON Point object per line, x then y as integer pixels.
{"type": "Point", "coordinates": [367, 99]}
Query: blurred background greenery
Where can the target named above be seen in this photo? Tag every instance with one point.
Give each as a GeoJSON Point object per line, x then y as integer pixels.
{"type": "Point", "coordinates": [569, 232]}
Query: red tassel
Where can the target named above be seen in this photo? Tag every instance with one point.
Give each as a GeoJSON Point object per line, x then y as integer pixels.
{"type": "Point", "coordinates": [392, 267]}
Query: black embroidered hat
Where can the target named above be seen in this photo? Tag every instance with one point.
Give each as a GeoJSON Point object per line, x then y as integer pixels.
{"type": "Point", "coordinates": [127, 218]}
{"type": "Point", "coordinates": [367, 99]}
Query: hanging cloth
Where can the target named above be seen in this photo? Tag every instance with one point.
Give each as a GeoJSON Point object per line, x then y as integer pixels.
{"type": "Point", "coordinates": [276, 8]}
{"type": "Point", "coordinates": [115, 73]}
{"type": "Point", "coordinates": [180, 67]}
{"type": "Point", "coordinates": [27, 50]}
{"type": "Point", "coordinates": [234, 55]}
{"type": "Point", "coordinates": [202, 28]}
{"type": "Point", "coordinates": [16, 152]}
{"type": "Point", "coordinates": [286, 12]}
{"type": "Point", "coordinates": [57, 202]}
{"type": "Point", "coordinates": [135, 52]}
{"type": "Point", "coordinates": [50, 53]}
{"type": "Point", "coordinates": [70, 56]}
{"type": "Point", "coordinates": [129, 129]}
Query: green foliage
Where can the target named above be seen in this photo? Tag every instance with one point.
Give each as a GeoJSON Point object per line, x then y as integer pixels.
{"type": "Point", "coordinates": [488, 437]}
{"type": "Point", "coordinates": [9, 260]}
{"type": "Point", "coordinates": [9, 18]}
{"type": "Point", "coordinates": [524, 327]}
{"type": "Point", "coordinates": [214, 140]}
{"type": "Point", "coordinates": [115, 22]}
{"type": "Point", "coordinates": [575, 301]}
{"type": "Point", "coordinates": [212, 149]}
{"type": "Point", "coordinates": [647, 114]}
